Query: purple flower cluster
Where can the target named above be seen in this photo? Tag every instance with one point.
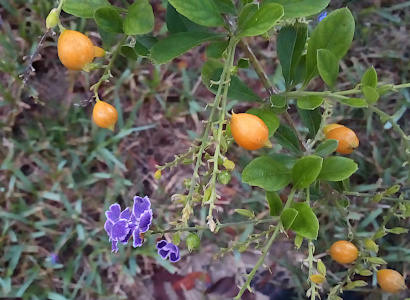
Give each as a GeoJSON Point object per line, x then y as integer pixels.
{"type": "Point", "coordinates": [121, 225]}
{"type": "Point", "coordinates": [170, 250]}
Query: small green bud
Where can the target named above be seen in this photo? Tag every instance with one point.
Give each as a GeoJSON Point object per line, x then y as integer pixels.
{"type": "Point", "coordinates": [224, 177]}
{"type": "Point", "coordinates": [157, 175]}
{"type": "Point", "coordinates": [321, 267]}
{"type": "Point", "coordinates": [392, 190]}
{"type": "Point", "coordinates": [176, 239]}
{"type": "Point", "coordinates": [207, 194]}
{"type": "Point", "coordinates": [52, 19]}
{"type": "Point", "coordinates": [187, 183]}
{"type": "Point", "coordinates": [371, 245]}
{"type": "Point", "coordinates": [229, 164]}
{"type": "Point", "coordinates": [377, 197]}
{"type": "Point", "coordinates": [193, 242]}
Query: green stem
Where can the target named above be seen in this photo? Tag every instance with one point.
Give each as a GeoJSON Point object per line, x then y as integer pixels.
{"type": "Point", "coordinates": [386, 219]}
{"type": "Point", "coordinates": [371, 195]}
{"type": "Point", "coordinates": [310, 259]}
{"type": "Point", "coordinates": [246, 285]}
{"type": "Point", "coordinates": [218, 226]}
{"type": "Point", "coordinates": [226, 81]}
{"type": "Point", "coordinates": [107, 72]}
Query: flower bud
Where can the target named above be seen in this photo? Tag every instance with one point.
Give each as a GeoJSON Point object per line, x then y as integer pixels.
{"type": "Point", "coordinates": [52, 19]}
{"type": "Point", "coordinates": [157, 175]}
{"type": "Point", "coordinates": [193, 242]}
{"type": "Point", "coordinates": [229, 164]}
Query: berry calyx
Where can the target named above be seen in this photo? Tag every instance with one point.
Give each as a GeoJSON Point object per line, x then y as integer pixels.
{"type": "Point", "coordinates": [343, 252]}
{"type": "Point", "coordinates": [249, 131]}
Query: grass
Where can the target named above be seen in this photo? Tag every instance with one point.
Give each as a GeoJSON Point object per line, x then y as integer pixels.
{"type": "Point", "coordinates": [59, 173]}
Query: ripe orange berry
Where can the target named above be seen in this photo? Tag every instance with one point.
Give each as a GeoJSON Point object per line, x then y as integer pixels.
{"type": "Point", "coordinates": [330, 127]}
{"type": "Point", "coordinates": [346, 137]}
{"type": "Point", "coordinates": [105, 115]}
{"type": "Point", "coordinates": [391, 281]}
{"type": "Point", "coordinates": [75, 50]}
{"type": "Point", "coordinates": [249, 131]}
{"type": "Point", "coordinates": [343, 252]}
{"type": "Point", "coordinates": [99, 52]}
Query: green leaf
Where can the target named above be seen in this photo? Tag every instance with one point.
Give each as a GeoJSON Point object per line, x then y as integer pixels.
{"type": "Point", "coordinates": [370, 94]}
{"type": "Point", "coordinates": [278, 101]}
{"type": "Point", "coordinates": [83, 8]}
{"type": "Point", "coordinates": [268, 117]}
{"type": "Point", "coordinates": [354, 102]}
{"type": "Point", "coordinates": [300, 8]}
{"type": "Point", "coordinates": [267, 173]}
{"type": "Point", "coordinates": [290, 44]}
{"type": "Point", "coordinates": [328, 66]}
{"type": "Point", "coordinates": [256, 19]}
{"type": "Point", "coordinates": [298, 241]}
{"type": "Point", "coordinates": [202, 12]}
{"type": "Point", "coordinates": [326, 148]}
{"type": "Point", "coordinates": [377, 260]}
{"type": "Point", "coordinates": [178, 23]}
{"type": "Point", "coordinates": [238, 90]}
{"type": "Point", "coordinates": [216, 49]}
{"type": "Point", "coordinates": [275, 204]}
{"type": "Point", "coordinates": [337, 168]}
{"type": "Point", "coordinates": [306, 223]}
{"type": "Point", "coordinates": [287, 217]}
{"type": "Point", "coordinates": [309, 102]}
{"type": "Point", "coordinates": [144, 43]}
{"type": "Point", "coordinates": [397, 230]}
{"type": "Point", "coordinates": [370, 78]}
{"type": "Point", "coordinates": [226, 7]}
{"type": "Point", "coordinates": [334, 33]}
{"type": "Point", "coordinates": [288, 139]}
{"type": "Point", "coordinates": [244, 212]}
{"type": "Point", "coordinates": [129, 52]}
{"type": "Point", "coordinates": [139, 19]}
{"type": "Point", "coordinates": [178, 43]}
{"type": "Point", "coordinates": [306, 170]}
{"type": "Point", "coordinates": [243, 63]}
{"type": "Point", "coordinates": [108, 39]}
{"type": "Point", "coordinates": [312, 119]}
{"type": "Point", "coordinates": [108, 19]}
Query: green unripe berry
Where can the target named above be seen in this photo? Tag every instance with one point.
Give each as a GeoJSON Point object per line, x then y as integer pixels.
{"type": "Point", "coordinates": [193, 242]}
{"type": "Point", "coordinates": [224, 177]}
{"type": "Point", "coordinates": [229, 164]}
{"type": "Point", "coordinates": [52, 19]}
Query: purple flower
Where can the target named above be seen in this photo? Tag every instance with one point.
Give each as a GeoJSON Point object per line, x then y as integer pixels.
{"type": "Point", "coordinates": [54, 258]}
{"type": "Point", "coordinates": [170, 250]}
{"type": "Point", "coordinates": [121, 225]}
{"type": "Point", "coordinates": [322, 16]}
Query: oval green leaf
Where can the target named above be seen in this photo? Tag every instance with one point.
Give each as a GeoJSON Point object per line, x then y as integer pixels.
{"type": "Point", "coordinates": [326, 148]}
{"type": "Point", "coordinates": [268, 117]}
{"type": "Point", "coordinates": [278, 101]}
{"type": "Point", "coordinates": [354, 102]}
{"type": "Point", "coordinates": [300, 8]}
{"type": "Point", "coordinates": [275, 203]}
{"type": "Point", "coordinates": [83, 8]}
{"type": "Point", "coordinates": [309, 102]}
{"type": "Point", "coordinates": [370, 94]}
{"type": "Point", "coordinates": [287, 217]}
{"type": "Point", "coordinates": [256, 19]}
{"type": "Point", "coordinates": [328, 66]}
{"type": "Point", "coordinates": [312, 119]}
{"type": "Point", "coordinates": [176, 44]}
{"type": "Point", "coordinates": [287, 139]}
{"type": "Point", "coordinates": [108, 19]}
{"type": "Point", "coordinates": [337, 168]}
{"type": "Point", "coordinates": [129, 52]}
{"type": "Point", "coordinates": [370, 78]}
{"type": "Point", "coordinates": [334, 33]}
{"type": "Point", "coordinates": [202, 12]}
{"type": "Point", "coordinates": [306, 223]}
{"type": "Point", "coordinates": [139, 19]}
{"type": "Point", "coordinates": [306, 170]}
{"type": "Point", "coordinates": [267, 173]}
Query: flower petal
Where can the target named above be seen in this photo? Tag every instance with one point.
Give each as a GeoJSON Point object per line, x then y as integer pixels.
{"type": "Point", "coordinates": [137, 238]}
{"type": "Point", "coordinates": [108, 227]}
{"type": "Point", "coordinates": [174, 257]}
{"type": "Point", "coordinates": [145, 221]}
{"type": "Point", "coordinates": [163, 253]}
{"type": "Point", "coordinates": [120, 230]}
{"type": "Point", "coordinates": [161, 244]}
{"type": "Point", "coordinates": [140, 205]}
{"type": "Point", "coordinates": [114, 246]}
{"type": "Point", "coordinates": [126, 214]}
{"type": "Point", "coordinates": [113, 213]}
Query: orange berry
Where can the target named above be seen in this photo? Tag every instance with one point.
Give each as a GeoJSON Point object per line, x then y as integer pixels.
{"type": "Point", "coordinates": [249, 131]}
{"type": "Point", "coordinates": [343, 252]}
{"type": "Point", "coordinates": [105, 115]}
{"type": "Point", "coordinates": [346, 137]}
{"type": "Point", "coordinates": [75, 50]}
{"type": "Point", "coordinates": [99, 52]}
{"type": "Point", "coordinates": [391, 281]}
{"type": "Point", "coordinates": [330, 127]}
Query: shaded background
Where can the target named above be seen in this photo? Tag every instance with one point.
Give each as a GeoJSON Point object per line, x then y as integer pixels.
{"type": "Point", "coordinates": [59, 172]}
